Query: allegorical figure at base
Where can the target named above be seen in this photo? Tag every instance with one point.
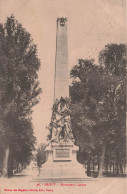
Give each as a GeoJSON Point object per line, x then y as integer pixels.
{"type": "Point", "coordinates": [60, 126]}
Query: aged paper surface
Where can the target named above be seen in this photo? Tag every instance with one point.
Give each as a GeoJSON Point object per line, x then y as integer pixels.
{"type": "Point", "coordinates": [92, 24]}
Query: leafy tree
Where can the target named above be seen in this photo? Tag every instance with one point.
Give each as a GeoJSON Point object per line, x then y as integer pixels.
{"type": "Point", "coordinates": [84, 101]}
{"type": "Point", "coordinates": [19, 92]}
{"type": "Point", "coordinates": [113, 62]}
{"type": "Point", "coordinates": [113, 59]}
{"type": "Point", "coordinates": [41, 156]}
{"type": "Point", "coordinates": [98, 106]}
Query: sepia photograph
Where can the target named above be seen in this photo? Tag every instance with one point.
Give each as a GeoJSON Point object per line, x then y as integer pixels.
{"type": "Point", "coordinates": [63, 96]}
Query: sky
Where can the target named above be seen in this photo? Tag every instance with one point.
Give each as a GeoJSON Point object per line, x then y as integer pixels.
{"type": "Point", "coordinates": [91, 25]}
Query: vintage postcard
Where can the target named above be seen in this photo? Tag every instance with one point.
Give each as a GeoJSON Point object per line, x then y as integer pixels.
{"type": "Point", "coordinates": [63, 96]}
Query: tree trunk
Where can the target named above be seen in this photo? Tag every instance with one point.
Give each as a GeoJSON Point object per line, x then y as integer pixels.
{"type": "Point", "coordinates": [113, 166]}
{"type": "Point", "coordinates": [107, 167]}
{"type": "Point", "coordinates": [98, 163]}
{"type": "Point", "coordinates": [10, 163]}
{"type": "Point", "coordinates": [88, 168]}
{"type": "Point", "coordinates": [93, 166]}
{"type": "Point", "coordinates": [21, 167]}
{"type": "Point", "coordinates": [5, 161]}
{"type": "Point", "coordinates": [17, 170]}
{"type": "Point", "coordinates": [121, 168]}
{"type": "Point", "coordinates": [110, 166]}
{"type": "Point", "coordinates": [117, 168]}
{"type": "Point", "coordinates": [101, 163]}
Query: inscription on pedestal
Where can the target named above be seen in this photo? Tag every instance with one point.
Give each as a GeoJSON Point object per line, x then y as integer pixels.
{"type": "Point", "coordinates": [62, 154]}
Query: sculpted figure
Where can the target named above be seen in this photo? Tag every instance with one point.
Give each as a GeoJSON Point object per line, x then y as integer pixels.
{"type": "Point", "coordinates": [60, 125]}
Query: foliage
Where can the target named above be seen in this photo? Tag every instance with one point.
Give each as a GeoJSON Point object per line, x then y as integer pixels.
{"type": "Point", "coordinates": [98, 104]}
{"type": "Point", "coordinates": [113, 59]}
{"type": "Point", "coordinates": [19, 88]}
{"type": "Point", "coordinates": [41, 155]}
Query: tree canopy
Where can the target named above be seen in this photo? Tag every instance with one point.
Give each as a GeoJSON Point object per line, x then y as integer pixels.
{"type": "Point", "coordinates": [98, 106]}
{"type": "Point", "coordinates": [19, 88]}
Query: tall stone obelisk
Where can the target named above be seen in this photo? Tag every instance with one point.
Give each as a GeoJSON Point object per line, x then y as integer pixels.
{"type": "Point", "coordinates": [61, 152]}
{"type": "Point", "coordinates": [61, 85]}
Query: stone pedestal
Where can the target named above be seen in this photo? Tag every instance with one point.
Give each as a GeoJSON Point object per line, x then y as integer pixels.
{"type": "Point", "coordinates": [62, 162]}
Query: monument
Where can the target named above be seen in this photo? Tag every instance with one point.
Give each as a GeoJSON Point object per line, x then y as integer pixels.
{"type": "Point", "coordinates": [61, 151]}
{"type": "Point", "coordinates": [61, 85]}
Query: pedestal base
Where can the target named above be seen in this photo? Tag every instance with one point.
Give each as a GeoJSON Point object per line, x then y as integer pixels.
{"type": "Point", "coordinates": [62, 162]}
